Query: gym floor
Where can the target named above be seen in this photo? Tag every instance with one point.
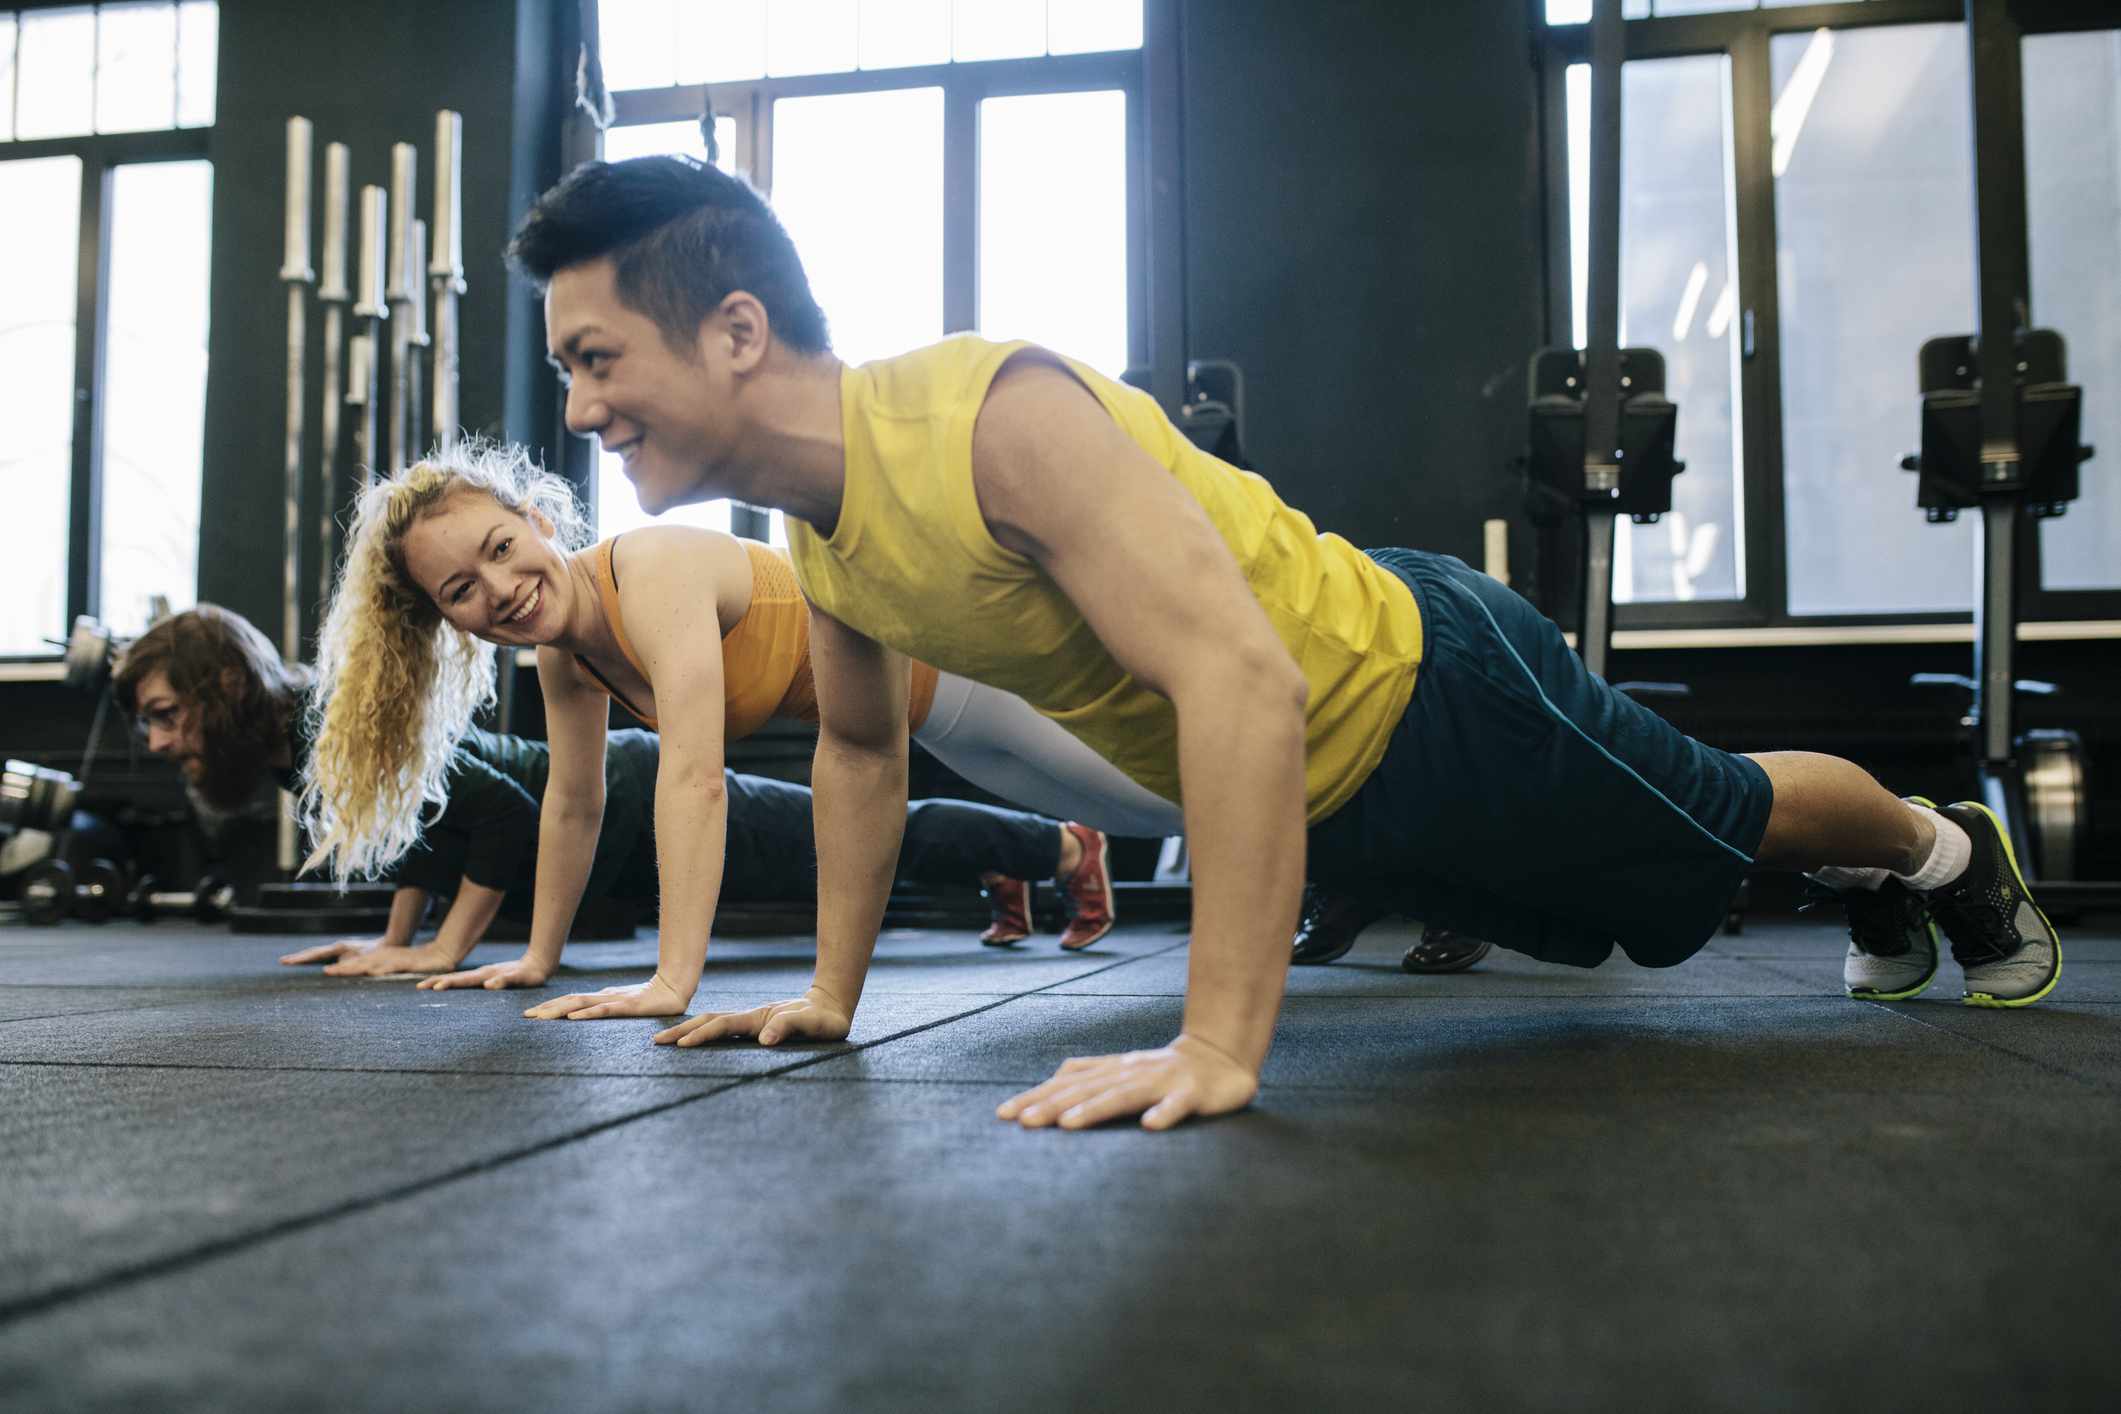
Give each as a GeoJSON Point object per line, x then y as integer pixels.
{"type": "Point", "coordinates": [237, 1185]}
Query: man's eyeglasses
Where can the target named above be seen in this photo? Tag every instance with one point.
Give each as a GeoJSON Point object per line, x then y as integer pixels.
{"type": "Point", "coordinates": [163, 717]}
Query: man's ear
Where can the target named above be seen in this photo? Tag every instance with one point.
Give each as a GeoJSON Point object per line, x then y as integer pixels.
{"type": "Point", "coordinates": [745, 328]}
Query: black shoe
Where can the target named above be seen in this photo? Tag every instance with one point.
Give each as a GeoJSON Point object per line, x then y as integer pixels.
{"type": "Point", "coordinates": [1331, 923]}
{"type": "Point", "coordinates": [1441, 950]}
{"type": "Point", "coordinates": [1999, 935]}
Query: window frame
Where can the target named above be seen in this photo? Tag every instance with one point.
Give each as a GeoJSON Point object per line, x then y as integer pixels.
{"type": "Point", "coordinates": [100, 156]}
{"type": "Point", "coordinates": [1744, 37]}
{"type": "Point", "coordinates": [1154, 332]}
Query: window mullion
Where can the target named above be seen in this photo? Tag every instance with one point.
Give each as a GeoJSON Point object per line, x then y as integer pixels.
{"type": "Point", "coordinates": [1759, 336]}
{"type": "Point", "coordinates": [960, 206]}
{"type": "Point", "coordinates": [85, 514]}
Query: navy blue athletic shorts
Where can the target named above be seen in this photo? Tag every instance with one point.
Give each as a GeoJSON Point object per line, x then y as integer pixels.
{"type": "Point", "coordinates": [1524, 801]}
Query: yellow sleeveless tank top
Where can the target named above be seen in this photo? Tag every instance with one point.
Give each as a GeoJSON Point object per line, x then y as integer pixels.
{"type": "Point", "coordinates": [911, 564]}
{"type": "Point", "coordinates": [765, 657]}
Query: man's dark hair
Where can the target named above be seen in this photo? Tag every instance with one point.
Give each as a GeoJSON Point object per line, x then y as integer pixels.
{"type": "Point", "coordinates": [219, 663]}
{"type": "Point", "coordinates": [681, 236]}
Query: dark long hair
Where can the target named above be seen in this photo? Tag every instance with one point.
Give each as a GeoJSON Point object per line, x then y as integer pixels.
{"type": "Point", "coordinates": [219, 664]}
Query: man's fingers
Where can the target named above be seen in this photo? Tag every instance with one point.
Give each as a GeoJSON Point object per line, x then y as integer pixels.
{"type": "Point", "coordinates": [557, 1007]}
{"type": "Point", "coordinates": [449, 980]}
{"type": "Point", "coordinates": [1060, 1098]}
{"type": "Point", "coordinates": [1182, 1103]}
{"type": "Point", "coordinates": [673, 1032]}
{"type": "Point", "coordinates": [1126, 1098]}
{"type": "Point", "coordinates": [1022, 1100]}
{"type": "Point", "coordinates": [322, 952]}
{"type": "Point", "coordinates": [733, 1025]}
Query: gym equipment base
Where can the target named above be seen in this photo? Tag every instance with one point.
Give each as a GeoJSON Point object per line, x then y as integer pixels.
{"type": "Point", "coordinates": [239, 1186]}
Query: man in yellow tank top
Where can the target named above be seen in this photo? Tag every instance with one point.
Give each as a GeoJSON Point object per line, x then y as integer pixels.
{"type": "Point", "coordinates": [1015, 518]}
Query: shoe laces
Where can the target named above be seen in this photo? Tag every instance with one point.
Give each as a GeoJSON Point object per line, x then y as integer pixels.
{"type": "Point", "coordinates": [1983, 902]}
{"type": "Point", "coordinates": [1882, 921]}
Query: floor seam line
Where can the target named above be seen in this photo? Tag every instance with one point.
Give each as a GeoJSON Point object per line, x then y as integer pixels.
{"type": "Point", "coordinates": [2089, 1082]}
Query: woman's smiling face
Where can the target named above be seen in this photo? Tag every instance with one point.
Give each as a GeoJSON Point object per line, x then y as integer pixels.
{"type": "Point", "coordinates": [493, 573]}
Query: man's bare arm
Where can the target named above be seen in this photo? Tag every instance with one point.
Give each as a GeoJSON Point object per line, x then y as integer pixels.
{"type": "Point", "coordinates": [1059, 482]}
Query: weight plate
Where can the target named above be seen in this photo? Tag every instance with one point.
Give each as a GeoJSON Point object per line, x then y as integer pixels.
{"type": "Point", "coordinates": [48, 892]}
{"type": "Point", "coordinates": [305, 897]}
{"type": "Point", "coordinates": [345, 922]}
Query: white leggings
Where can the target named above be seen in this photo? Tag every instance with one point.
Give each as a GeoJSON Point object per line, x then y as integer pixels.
{"type": "Point", "coordinates": [999, 743]}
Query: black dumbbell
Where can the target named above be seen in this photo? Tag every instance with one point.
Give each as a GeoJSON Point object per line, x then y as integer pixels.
{"type": "Point", "coordinates": [51, 892]}
{"type": "Point", "coordinates": [208, 901]}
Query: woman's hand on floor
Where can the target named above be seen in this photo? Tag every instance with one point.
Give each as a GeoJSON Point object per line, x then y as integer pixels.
{"type": "Point", "coordinates": [493, 977]}
{"type": "Point", "coordinates": [1163, 1086]}
{"type": "Point", "coordinates": [655, 997]}
{"type": "Point", "coordinates": [372, 957]}
{"type": "Point", "coordinates": [814, 1016]}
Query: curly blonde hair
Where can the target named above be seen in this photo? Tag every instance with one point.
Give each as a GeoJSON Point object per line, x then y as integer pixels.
{"type": "Point", "coordinates": [397, 686]}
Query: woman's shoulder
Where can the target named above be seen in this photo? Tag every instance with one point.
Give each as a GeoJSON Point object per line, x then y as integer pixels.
{"type": "Point", "coordinates": [683, 557]}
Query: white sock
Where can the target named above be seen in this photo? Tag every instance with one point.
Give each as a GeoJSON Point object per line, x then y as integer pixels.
{"type": "Point", "coordinates": [1948, 858]}
{"type": "Point", "coordinates": [1836, 877]}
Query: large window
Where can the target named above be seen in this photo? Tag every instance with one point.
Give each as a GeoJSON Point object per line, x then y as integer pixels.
{"type": "Point", "coordinates": [1874, 201]}
{"type": "Point", "coordinates": [1676, 292]}
{"type": "Point", "coordinates": [37, 277]}
{"type": "Point", "coordinates": [154, 386]}
{"type": "Point", "coordinates": [2073, 200]}
{"type": "Point", "coordinates": [1797, 219]}
{"type": "Point", "coordinates": [941, 166]}
{"type": "Point", "coordinates": [102, 309]}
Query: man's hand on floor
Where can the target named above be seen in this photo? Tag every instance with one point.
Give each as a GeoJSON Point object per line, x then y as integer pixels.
{"type": "Point", "coordinates": [655, 997]}
{"type": "Point", "coordinates": [1163, 1086]}
{"type": "Point", "coordinates": [493, 977]}
{"type": "Point", "coordinates": [814, 1016]}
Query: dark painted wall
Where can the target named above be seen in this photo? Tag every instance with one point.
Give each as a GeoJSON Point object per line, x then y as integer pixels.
{"type": "Point", "coordinates": [1362, 237]}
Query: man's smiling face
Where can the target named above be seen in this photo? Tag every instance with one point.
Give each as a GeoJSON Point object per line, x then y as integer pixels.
{"type": "Point", "coordinates": [664, 412]}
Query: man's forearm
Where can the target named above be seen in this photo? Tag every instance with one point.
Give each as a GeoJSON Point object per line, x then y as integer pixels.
{"type": "Point", "coordinates": [1241, 766]}
{"type": "Point", "coordinates": [859, 800]}
{"type": "Point", "coordinates": [470, 914]}
{"type": "Point", "coordinates": [691, 833]}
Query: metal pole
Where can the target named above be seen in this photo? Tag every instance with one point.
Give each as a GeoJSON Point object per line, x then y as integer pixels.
{"type": "Point", "coordinates": [297, 276]}
{"type": "Point", "coordinates": [371, 309]}
{"type": "Point", "coordinates": [334, 295]}
{"type": "Point", "coordinates": [1601, 414]}
{"type": "Point", "coordinates": [446, 271]}
{"type": "Point", "coordinates": [1994, 39]}
{"type": "Point", "coordinates": [404, 290]}
{"type": "Point", "coordinates": [418, 342]}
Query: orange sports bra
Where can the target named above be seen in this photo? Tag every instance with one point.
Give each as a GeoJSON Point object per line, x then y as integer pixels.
{"type": "Point", "coordinates": [765, 657]}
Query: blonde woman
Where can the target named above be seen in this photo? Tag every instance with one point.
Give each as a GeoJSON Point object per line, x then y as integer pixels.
{"type": "Point", "coordinates": [700, 634]}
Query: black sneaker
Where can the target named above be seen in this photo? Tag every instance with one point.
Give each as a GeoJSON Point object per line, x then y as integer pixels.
{"type": "Point", "coordinates": [1441, 950]}
{"type": "Point", "coordinates": [1999, 935]}
{"type": "Point", "coordinates": [1892, 940]}
{"type": "Point", "coordinates": [1330, 925]}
